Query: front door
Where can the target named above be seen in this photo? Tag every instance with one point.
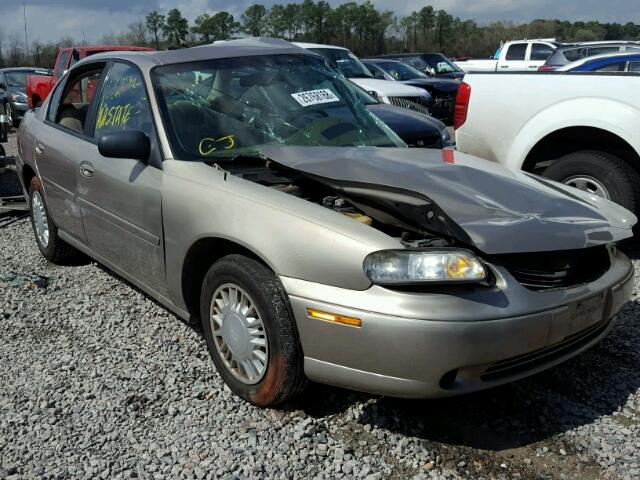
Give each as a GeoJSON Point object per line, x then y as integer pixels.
{"type": "Point", "coordinates": [120, 198]}
{"type": "Point", "coordinates": [62, 143]}
{"type": "Point", "coordinates": [514, 59]}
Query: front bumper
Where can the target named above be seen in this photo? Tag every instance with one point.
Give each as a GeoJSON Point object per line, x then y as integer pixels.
{"type": "Point", "coordinates": [428, 345]}
{"type": "Point", "coordinates": [19, 109]}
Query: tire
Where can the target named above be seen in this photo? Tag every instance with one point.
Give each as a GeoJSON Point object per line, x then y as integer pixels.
{"type": "Point", "coordinates": [9, 111]}
{"type": "Point", "coordinates": [53, 249]}
{"type": "Point", "coordinates": [620, 181]}
{"type": "Point", "coordinates": [282, 378]}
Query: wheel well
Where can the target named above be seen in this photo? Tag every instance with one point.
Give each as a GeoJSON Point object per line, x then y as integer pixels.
{"type": "Point", "coordinates": [574, 139]}
{"type": "Point", "coordinates": [27, 175]}
{"type": "Point", "coordinates": [201, 255]}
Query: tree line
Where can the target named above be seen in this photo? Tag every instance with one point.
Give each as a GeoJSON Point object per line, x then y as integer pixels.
{"type": "Point", "coordinates": [360, 27]}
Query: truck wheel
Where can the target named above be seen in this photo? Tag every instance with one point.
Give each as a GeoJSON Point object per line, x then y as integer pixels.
{"type": "Point", "coordinates": [599, 173]}
{"type": "Point", "coordinates": [51, 246]}
{"type": "Point", "coordinates": [250, 331]}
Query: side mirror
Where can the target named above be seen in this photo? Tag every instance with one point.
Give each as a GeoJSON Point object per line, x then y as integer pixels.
{"type": "Point", "coordinates": [127, 144]}
{"type": "Point", "coordinates": [2, 86]}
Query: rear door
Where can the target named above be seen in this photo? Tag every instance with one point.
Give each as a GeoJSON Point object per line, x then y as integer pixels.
{"type": "Point", "coordinates": [120, 198]}
{"type": "Point", "coordinates": [514, 59]}
{"type": "Point", "coordinates": [538, 55]}
{"type": "Point", "coordinates": [62, 143]}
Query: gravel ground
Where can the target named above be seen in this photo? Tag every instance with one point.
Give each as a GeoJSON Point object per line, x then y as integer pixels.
{"type": "Point", "coordinates": [99, 381]}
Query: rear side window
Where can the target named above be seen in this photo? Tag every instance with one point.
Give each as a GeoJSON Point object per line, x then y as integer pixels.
{"type": "Point", "coordinates": [612, 67]}
{"type": "Point", "coordinates": [76, 100]}
{"type": "Point", "coordinates": [517, 51]}
{"type": "Point", "coordinates": [540, 51]}
{"type": "Point", "coordinates": [62, 64]}
{"type": "Point", "coordinates": [123, 104]}
{"type": "Point", "coordinates": [575, 54]}
{"type": "Point", "coordinates": [598, 50]}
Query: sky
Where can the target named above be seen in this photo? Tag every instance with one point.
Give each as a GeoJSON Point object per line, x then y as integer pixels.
{"type": "Point", "coordinates": [50, 20]}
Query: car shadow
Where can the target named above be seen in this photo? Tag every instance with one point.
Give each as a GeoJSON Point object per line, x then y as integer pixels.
{"type": "Point", "coordinates": [596, 383]}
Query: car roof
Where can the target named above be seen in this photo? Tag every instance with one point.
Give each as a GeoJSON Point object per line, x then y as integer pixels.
{"type": "Point", "coordinates": [244, 47]}
{"type": "Point", "coordinates": [595, 58]}
{"type": "Point", "coordinates": [307, 45]}
{"type": "Point", "coordinates": [381, 60]}
{"type": "Point", "coordinates": [608, 43]}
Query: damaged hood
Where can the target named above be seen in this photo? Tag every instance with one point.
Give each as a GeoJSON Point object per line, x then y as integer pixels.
{"type": "Point", "coordinates": [474, 201]}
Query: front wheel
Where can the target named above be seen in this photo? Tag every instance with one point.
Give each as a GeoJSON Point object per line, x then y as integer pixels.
{"type": "Point", "coordinates": [250, 331]}
{"type": "Point", "coordinates": [601, 174]}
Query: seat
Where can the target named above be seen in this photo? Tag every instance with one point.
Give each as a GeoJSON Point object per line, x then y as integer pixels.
{"type": "Point", "coordinates": [69, 117]}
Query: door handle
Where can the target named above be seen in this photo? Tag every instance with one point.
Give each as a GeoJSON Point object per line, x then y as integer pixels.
{"type": "Point", "coordinates": [86, 169]}
{"type": "Point", "coordinates": [504, 66]}
{"type": "Point", "coordinates": [39, 148]}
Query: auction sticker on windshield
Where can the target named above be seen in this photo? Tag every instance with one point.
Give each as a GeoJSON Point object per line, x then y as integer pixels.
{"type": "Point", "coordinates": [315, 97]}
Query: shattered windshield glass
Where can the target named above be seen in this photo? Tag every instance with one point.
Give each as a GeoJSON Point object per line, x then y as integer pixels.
{"type": "Point", "coordinates": [230, 107]}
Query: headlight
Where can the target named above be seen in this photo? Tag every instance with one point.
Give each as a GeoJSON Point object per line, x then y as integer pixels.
{"type": "Point", "coordinates": [419, 266]}
{"type": "Point", "coordinates": [18, 97]}
{"type": "Point", "coordinates": [446, 138]}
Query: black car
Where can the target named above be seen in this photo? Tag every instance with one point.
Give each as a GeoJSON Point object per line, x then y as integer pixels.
{"type": "Point", "coordinates": [433, 64]}
{"type": "Point", "coordinates": [571, 52]}
{"type": "Point", "coordinates": [13, 91]}
{"type": "Point", "coordinates": [443, 90]}
{"type": "Point", "coordinates": [415, 128]}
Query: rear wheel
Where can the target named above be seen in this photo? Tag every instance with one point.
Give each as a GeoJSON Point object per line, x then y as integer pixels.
{"type": "Point", "coordinates": [600, 174]}
{"type": "Point", "coordinates": [51, 246]}
{"type": "Point", "coordinates": [250, 331]}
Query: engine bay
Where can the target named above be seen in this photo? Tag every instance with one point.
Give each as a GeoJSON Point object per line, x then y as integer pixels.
{"type": "Point", "coordinates": [289, 181]}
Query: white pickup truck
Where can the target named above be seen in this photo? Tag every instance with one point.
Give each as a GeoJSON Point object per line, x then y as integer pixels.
{"type": "Point", "coordinates": [520, 55]}
{"type": "Point", "coordinates": [581, 129]}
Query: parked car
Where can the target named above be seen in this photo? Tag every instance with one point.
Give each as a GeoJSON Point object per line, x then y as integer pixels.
{"type": "Point", "coordinates": [607, 62]}
{"type": "Point", "coordinates": [572, 52]}
{"type": "Point", "coordinates": [13, 93]}
{"type": "Point", "coordinates": [519, 55]}
{"type": "Point", "coordinates": [442, 90]}
{"type": "Point", "coordinates": [246, 185]}
{"type": "Point", "coordinates": [351, 67]}
{"type": "Point", "coordinates": [433, 64]}
{"type": "Point", "coordinates": [414, 128]}
{"type": "Point", "coordinates": [581, 130]}
{"type": "Point", "coordinates": [39, 86]}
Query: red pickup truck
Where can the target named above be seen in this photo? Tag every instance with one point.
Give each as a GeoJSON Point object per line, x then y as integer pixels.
{"type": "Point", "coordinates": [39, 86]}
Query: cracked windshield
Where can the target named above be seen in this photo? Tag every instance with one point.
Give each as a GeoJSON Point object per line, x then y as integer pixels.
{"type": "Point", "coordinates": [230, 107]}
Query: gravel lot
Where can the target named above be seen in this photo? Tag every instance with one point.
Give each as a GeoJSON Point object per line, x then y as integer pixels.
{"type": "Point", "coordinates": [99, 381]}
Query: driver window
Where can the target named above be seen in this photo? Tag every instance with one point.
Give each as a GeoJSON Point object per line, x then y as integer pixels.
{"type": "Point", "coordinates": [76, 99]}
{"type": "Point", "coordinates": [123, 104]}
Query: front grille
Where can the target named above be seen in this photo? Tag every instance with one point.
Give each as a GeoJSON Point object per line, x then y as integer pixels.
{"type": "Point", "coordinates": [523, 363]}
{"type": "Point", "coordinates": [419, 104]}
{"type": "Point", "coordinates": [559, 269]}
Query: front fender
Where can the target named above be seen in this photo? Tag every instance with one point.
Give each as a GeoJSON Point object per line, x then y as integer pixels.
{"type": "Point", "coordinates": [294, 237]}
